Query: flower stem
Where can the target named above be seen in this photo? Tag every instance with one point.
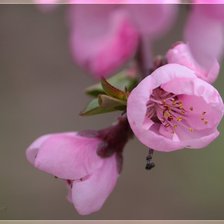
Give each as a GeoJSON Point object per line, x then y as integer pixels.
{"type": "Point", "coordinates": [115, 137]}
{"type": "Point", "coordinates": [144, 56]}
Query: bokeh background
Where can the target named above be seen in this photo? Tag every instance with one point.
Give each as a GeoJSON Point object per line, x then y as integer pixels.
{"type": "Point", "coordinates": [41, 91]}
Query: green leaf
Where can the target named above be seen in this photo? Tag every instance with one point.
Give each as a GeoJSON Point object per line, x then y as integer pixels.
{"type": "Point", "coordinates": [113, 91]}
{"type": "Point", "coordinates": [101, 105]}
{"type": "Point", "coordinates": [95, 90]}
{"type": "Point", "coordinates": [120, 81]}
{"type": "Point", "coordinates": [111, 102]}
{"type": "Point", "coordinates": [94, 108]}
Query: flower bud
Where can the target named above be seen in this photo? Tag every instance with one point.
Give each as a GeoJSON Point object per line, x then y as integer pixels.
{"type": "Point", "coordinates": [74, 159]}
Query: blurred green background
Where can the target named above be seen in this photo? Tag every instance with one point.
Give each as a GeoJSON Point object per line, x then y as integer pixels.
{"type": "Point", "coordinates": [41, 91]}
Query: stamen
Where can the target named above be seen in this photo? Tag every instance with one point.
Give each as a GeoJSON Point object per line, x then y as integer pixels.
{"type": "Point", "coordinates": [167, 109]}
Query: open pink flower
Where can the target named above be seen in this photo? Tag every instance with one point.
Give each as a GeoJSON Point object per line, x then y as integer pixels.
{"type": "Point", "coordinates": [73, 158]}
{"type": "Point", "coordinates": [204, 32]}
{"type": "Point", "coordinates": [104, 37]}
{"type": "Point", "coordinates": [181, 54]}
{"type": "Point", "coordinates": [172, 109]}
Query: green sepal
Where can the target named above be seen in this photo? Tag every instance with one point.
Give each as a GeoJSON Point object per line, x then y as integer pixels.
{"type": "Point", "coordinates": [120, 81]}
{"type": "Point", "coordinates": [94, 108]}
{"type": "Point", "coordinates": [106, 101]}
{"type": "Point", "coordinates": [113, 91]}
{"type": "Point", "coordinates": [103, 104]}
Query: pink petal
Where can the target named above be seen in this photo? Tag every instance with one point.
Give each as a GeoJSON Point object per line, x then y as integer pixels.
{"type": "Point", "coordinates": [152, 19]}
{"type": "Point", "coordinates": [102, 38]}
{"type": "Point", "coordinates": [32, 151]}
{"type": "Point", "coordinates": [66, 155]}
{"type": "Point", "coordinates": [212, 8]}
{"type": "Point", "coordinates": [213, 113]}
{"type": "Point", "coordinates": [205, 41]}
{"type": "Point", "coordinates": [202, 98]}
{"type": "Point", "coordinates": [89, 196]}
{"type": "Point", "coordinates": [180, 54]}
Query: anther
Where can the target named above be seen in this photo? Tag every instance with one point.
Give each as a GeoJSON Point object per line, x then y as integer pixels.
{"type": "Point", "coordinates": [175, 126]}
{"type": "Point", "coordinates": [191, 108]}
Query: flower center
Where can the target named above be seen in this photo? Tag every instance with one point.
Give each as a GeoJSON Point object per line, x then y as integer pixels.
{"type": "Point", "coordinates": [168, 110]}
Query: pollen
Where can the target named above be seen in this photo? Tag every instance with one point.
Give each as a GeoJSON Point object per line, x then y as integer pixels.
{"type": "Point", "coordinates": [168, 109]}
{"type": "Point", "coordinates": [167, 115]}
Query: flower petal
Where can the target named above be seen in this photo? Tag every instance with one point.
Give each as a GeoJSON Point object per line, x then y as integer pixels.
{"type": "Point", "coordinates": [205, 41]}
{"type": "Point", "coordinates": [180, 54]}
{"type": "Point", "coordinates": [89, 196]}
{"type": "Point", "coordinates": [102, 38]}
{"type": "Point", "coordinates": [66, 155]}
{"type": "Point", "coordinates": [152, 19]}
{"type": "Point", "coordinates": [32, 151]}
{"type": "Point", "coordinates": [212, 8]}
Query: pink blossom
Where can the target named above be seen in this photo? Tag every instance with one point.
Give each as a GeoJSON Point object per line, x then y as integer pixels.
{"type": "Point", "coordinates": [104, 37]}
{"type": "Point", "coordinates": [172, 109]}
{"type": "Point", "coordinates": [101, 38]}
{"type": "Point", "coordinates": [180, 54]}
{"type": "Point", "coordinates": [73, 158]}
{"type": "Point", "coordinates": [204, 32]}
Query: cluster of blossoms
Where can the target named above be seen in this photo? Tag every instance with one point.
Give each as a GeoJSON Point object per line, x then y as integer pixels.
{"type": "Point", "coordinates": [171, 106]}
